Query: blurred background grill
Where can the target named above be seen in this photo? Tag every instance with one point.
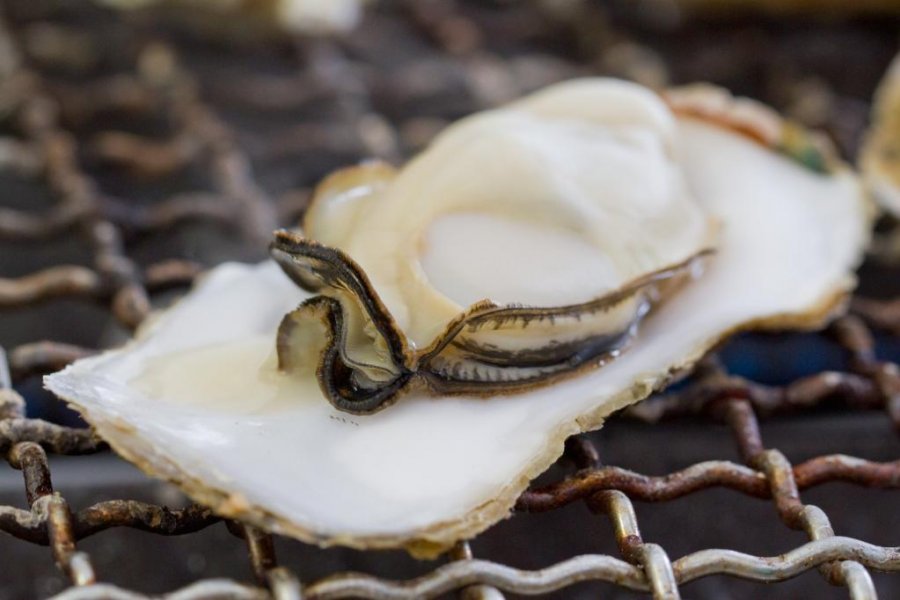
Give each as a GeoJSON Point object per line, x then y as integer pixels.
{"type": "Point", "coordinates": [139, 149]}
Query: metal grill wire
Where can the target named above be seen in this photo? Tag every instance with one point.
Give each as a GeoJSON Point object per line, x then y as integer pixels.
{"type": "Point", "coordinates": [39, 146]}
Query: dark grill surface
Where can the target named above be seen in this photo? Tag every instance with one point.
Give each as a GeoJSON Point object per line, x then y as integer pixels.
{"type": "Point", "coordinates": [137, 151]}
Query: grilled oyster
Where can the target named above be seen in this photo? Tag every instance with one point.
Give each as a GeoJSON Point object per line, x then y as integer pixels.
{"type": "Point", "coordinates": [197, 398]}
{"type": "Point", "coordinates": [467, 287]}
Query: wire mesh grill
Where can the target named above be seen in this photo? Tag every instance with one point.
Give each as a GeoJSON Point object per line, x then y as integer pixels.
{"type": "Point", "coordinates": [54, 89]}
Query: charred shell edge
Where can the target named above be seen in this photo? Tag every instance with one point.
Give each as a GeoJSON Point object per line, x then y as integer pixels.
{"type": "Point", "coordinates": [455, 362]}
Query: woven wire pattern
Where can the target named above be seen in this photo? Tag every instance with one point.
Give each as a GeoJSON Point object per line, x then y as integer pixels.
{"type": "Point", "coordinates": [40, 112]}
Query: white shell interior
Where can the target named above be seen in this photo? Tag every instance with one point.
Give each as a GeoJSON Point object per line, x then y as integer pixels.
{"type": "Point", "coordinates": [196, 398]}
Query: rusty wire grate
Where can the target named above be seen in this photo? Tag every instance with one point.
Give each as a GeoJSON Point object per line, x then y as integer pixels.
{"type": "Point", "coordinates": [42, 114]}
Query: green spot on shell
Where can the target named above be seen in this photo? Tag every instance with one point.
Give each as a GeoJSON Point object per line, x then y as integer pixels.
{"type": "Point", "coordinates": [802, 146]}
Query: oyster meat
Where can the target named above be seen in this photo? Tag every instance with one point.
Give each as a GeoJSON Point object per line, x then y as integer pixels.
{"type": "Point", "coordinates": [600, 187]}
{"type": "Point", "coordinates": [438, 276]}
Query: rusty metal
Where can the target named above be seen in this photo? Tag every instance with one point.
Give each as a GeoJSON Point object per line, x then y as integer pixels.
{"type": "Point", "coordinates": [171, 273]}
{"type": "Point", "coordinates": [31, 525]}
{"type": "Point", "coordinates": [854, 390]}
{"type": "Point", "coordinates": [261, 548]}
{"type": "Point", "coordinates": [54, 140]}
{"type": "Point", "coordinates": [53, 437]}
{"type": "Point", "coordinates": [650, 557]}
{"type": "Point", "coordinates": [44, 357]}
{"type": "Point", "coordinates": [462, 552]}
{"type": "Point", "coordinates": [816, 471]}
{"type": "Point", "coordinates": [31, 459]}
{"type": "Point", "coordinates": [49, 283]}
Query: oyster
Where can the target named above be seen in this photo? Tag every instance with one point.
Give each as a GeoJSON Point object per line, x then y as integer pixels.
{"type": "Point", "coordinates": [880, 156]}
{"type": "Point", "coordinates": [197, 397]}
{"type": "Point", "coordinates": [465, 287]}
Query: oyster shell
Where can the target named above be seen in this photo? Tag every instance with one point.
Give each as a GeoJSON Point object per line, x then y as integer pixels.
{"type": "Point", "coordinates": [880, 156]}
{"type": "Point", "coordinates": [464, 287]}
{"type": "Point", "coordinates": [197, 398]}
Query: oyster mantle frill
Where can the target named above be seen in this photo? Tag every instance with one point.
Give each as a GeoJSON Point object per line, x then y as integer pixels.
{"type": "Point", "coordinates": [523, 246]}
{"type": "Point", "coordinates": [197, 398]}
